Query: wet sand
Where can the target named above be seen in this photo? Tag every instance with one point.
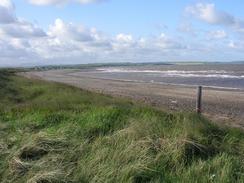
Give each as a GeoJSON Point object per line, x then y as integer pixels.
{"type": "Point", "coordinates": [224, 106]}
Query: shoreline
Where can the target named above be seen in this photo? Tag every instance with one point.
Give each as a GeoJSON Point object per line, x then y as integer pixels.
{"type": "Point", "coordinates": [222, 105]}
{"type": "Point", "coordinates": [170, 84]}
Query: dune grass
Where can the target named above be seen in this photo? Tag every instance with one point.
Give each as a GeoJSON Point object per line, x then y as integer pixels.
{"type": "Point", "coordinates": [51, 133]}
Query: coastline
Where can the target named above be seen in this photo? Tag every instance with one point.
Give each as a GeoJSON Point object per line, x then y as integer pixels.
{"type": "Point", "coordinates": [226, 106]}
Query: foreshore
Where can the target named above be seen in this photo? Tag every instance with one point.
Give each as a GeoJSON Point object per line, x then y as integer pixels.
{"type": "Point", "coordinates": [222, 105]}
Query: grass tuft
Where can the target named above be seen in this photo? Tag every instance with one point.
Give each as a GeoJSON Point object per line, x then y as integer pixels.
{"type": "Point", "coordinates": [55, 133]}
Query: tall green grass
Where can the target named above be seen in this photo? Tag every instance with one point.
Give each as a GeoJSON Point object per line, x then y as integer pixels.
{"type": "Point", "coordinates": [55, 133]}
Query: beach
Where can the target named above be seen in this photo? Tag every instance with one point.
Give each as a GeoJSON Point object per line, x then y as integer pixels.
{"type": "Point", "coordinates": [225, 106]}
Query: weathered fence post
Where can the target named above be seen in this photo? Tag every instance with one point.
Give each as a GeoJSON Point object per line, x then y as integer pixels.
{"type": "Point", "coordinates": [199, 100]}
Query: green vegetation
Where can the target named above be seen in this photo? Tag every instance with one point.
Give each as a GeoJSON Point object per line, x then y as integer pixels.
{"type": "Point", "coordinates": [55, 133]}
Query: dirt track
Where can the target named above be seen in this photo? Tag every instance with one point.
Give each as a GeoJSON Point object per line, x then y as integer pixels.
{"type": "Point", "coordinates": [224, 106]}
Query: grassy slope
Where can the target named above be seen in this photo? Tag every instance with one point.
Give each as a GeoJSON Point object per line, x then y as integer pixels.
{"type": "Point", "coordinates": [55, 133]}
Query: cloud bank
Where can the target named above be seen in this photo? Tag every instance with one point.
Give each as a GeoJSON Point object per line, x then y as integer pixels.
{"type": "Point", "coordinates": [24, 43]}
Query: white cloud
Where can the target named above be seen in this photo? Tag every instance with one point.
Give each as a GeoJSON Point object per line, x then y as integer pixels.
{"type": "Point", "coordinates": [186, 27]}
{"type": "Point", "coordinates": [232, 44]}
{"type": "Point", "coordinates": [209, 14]}
{"type": "Point", "coordinates": [21, 29]}
{"type": "Point", "coordinates": [64, 42]}
{"type": "Point", "coordinates": [126, 38]}
{"type": "Point", "coordinates": [12, 26]}
{"type": "Point", "coordinates": [15, 35]}
{"type": "Point", "coordinates": [123, 41]}
{"type": "Point", "coordinates": [76, 43]}
{"type": "Point", "coordinates": [16, 52]}
{"type": "Point", "coordinates": [60, 2]}
{"type": "Point", "coordinates": [166, 42]}
{"type": "Point", "coordinates": [218, 34]}
{"type": "Point", "coordinates": [70, 31]}
{"type": "Point", "coordinates": [69, 40]}
{"type": "Point", "coordinates": [7, 12]}
{"type": "Point", "coordinates": [237, 45]}
{"type": "Point", "coordinates": [71, 43]}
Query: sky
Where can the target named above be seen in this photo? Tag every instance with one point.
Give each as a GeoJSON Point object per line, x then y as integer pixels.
{"type": "Point", "coordinates": [47, 32]}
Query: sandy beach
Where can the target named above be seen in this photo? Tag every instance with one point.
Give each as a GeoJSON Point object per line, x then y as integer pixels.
{"type": "Point", "coordinates": [222, 105]}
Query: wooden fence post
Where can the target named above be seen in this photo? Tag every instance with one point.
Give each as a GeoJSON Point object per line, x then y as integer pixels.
{"type": "Point", "coordinates": [199, 100]}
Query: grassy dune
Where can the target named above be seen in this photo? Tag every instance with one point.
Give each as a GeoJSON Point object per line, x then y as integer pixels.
{"type": "Point", "coordinates": [51, 133]}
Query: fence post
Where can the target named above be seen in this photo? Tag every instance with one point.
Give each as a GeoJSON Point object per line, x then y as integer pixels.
{"type": "Point", "coordinates": [199, 100]}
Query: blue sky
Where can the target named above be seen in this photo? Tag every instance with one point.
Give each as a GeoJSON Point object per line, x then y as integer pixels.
{"type": "Point", "coordinates": [34, 32]}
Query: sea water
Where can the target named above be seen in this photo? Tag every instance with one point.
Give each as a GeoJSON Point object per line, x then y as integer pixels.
{"type": "Point", "coordinates": [212, 75]}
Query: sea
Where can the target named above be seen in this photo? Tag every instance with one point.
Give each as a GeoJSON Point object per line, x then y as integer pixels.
{"type": "Point", "coordinates": [229, 76]}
